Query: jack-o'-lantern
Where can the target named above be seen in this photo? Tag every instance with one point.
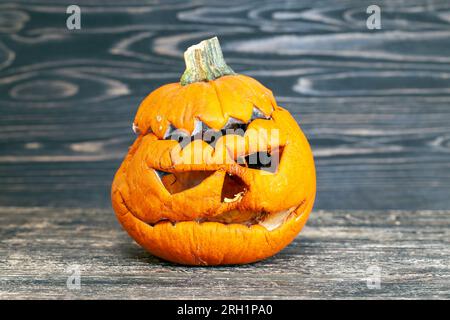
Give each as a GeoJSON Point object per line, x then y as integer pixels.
{"type": "Point", "coordinates": [219, 173]}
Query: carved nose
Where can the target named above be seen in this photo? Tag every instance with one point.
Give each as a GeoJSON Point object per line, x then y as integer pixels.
{"type": "Point", "coordinates": [233, 188]}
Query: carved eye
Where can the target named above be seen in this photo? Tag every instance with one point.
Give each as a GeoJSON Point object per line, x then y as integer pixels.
{"type": "Point", "coordinates": [176, 182]}
{"type": "Point", "coordinates": [211, 136]}
{"type": "Point", "coordinates": [258, 160]}
{"type": "Point", "coordinates": [263, 160]}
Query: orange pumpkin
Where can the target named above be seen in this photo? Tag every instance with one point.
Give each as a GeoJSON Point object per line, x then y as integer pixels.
{"type": "Point", "coordinates": [219, 173]}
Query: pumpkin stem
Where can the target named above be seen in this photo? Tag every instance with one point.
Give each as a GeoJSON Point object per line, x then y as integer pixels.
{"type": "Point", "coordinates": [204, 62]}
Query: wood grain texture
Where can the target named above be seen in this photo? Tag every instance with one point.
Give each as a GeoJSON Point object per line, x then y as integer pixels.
{"type": "Point", "coordinates": [329, 259]}
{"type": "Point", "coordinates": [374, 104]}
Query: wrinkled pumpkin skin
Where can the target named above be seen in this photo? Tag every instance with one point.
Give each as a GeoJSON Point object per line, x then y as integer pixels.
{"type": "Point", "coordinates": [175, 226]}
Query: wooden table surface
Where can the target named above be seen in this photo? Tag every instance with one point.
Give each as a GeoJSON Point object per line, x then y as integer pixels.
{"type": "Point", "coordinates": [375, 105]}
{"type": "Point", "coordinates": [332, 258]}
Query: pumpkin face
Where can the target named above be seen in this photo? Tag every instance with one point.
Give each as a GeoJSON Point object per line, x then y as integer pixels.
{"type": "Point", "coordinates": [219, 173]}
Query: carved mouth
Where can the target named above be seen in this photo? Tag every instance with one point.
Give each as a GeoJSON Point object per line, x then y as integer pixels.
{"type": "Point", "coordinates": [269, 221]}
{"type": "Point", "coordinates": [233, 190]}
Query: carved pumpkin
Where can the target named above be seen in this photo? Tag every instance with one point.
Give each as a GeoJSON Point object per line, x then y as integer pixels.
{"type": "Point", "coordinates": [194, 188]}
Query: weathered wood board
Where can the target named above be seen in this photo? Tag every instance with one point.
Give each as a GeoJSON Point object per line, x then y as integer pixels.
{"type": "Point", "coordinates": [329, 259]}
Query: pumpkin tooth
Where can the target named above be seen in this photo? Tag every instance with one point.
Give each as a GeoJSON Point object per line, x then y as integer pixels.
{"type": "Point", "coordinates": [274, 220]}
{"type": "Point", "coordinates": [233, 188]}
{"type": "Point", "coordinates": [136, 129]}
{"type": "Point", "coordinates": [258, 114]}
{"type": "Point", "coordinates": [232, 123]}
{"type": "Point", "coordinates": [170, 130]}
{"type": "Point", "coordinates": [237, 197]}
{"type": "Point", "coordinates": [198, 127]}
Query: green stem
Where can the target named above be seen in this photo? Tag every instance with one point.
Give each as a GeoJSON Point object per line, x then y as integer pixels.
{"type": "Point", "coordinates": [204, 62]}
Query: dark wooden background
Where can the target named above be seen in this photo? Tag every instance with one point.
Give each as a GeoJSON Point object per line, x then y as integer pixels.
{"type": "Point", "coordinates": [373, 103]}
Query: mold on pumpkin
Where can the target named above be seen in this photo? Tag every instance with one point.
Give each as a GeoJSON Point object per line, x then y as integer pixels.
{"type": "Point", "coordinates": [218, 173]}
